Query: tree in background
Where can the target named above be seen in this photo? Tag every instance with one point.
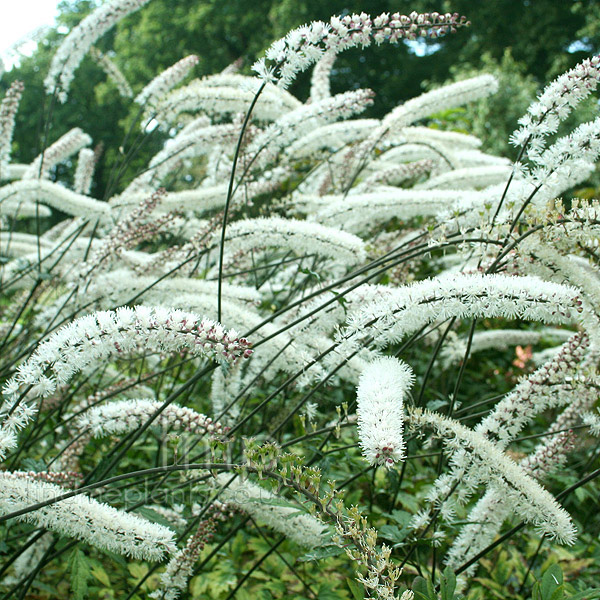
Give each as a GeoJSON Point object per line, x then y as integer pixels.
{"type": "Point", "coordinates": [543, 37]}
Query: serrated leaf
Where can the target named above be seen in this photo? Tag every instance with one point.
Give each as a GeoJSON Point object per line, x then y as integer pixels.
{"type": "Point", "coordinates": [319, 553]}
{"type": "Point", "coordinates": [393, 533]}
{"type": "Point", "coordinates": [285, 503]}
{"type": "Point", "coordinates": [436, 404]}
{"type": "Point", "coordinates": [79, 568]}
{"type": "Point", "coordinates": [326, 591]}
{"type": "Point", "coordinates": [31, 464]}
{"type": "Point", "coordinates": [100, 574]}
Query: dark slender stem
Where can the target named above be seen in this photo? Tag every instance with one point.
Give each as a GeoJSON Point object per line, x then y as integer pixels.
{"type": "Point", "coordinates": [230, 195]}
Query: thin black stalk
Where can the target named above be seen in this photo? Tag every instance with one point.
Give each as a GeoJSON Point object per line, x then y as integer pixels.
{"type": "Point", "coordinates": [230, 195]}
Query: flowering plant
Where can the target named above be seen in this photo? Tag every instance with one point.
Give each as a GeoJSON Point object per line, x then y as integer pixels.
{"type": "Point", "coordinates": [217, 342]}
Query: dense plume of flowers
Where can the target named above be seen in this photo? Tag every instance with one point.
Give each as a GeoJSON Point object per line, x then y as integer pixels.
{"type": "Point", "coordinates": [302, 47]}
{"type": "Point", "coordinates": [479, 460]}
{"type": "Point", "coordinates": [361, 255]}
{"type": "Point", "coordinates": [79, 41]}
{"type": "Point", "coordinates": [8, 111]}
{"type": "Point", "coordinates": [166, 81]}
{"type": "Point", "coordinates": [381, 389]}
{"type": "Point", "coordinates": [302, 528]}
{"type": "Point", "coordinates": [110, 529]}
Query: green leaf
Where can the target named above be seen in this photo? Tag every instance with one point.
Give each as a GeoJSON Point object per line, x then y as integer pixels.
{"type": "Point", "coordinates": [551, 587]}
{"type": "Point", "coordinates": [97, 570]}
{"type": "Point", "coordinates": [299, 508]}
{"type": "Point", "coordinates": [436, 404]}
{"type": "Point", "coordinates": [393, 533]}
{"type": "Point", "coordinates": [310, 273]}
{"type": "Point", "coordinates": [423, 590]}
{"type": "Point", "coordinates": [79, 568]}
{"type": "Point", "coordinates": [447, 584]}
{"type": "Point", "coordinates": [586, 595]}
{"type": "Point", "coordinates": [356, 589]}
{"type": "Point", "coordinates": [31, 464]}
{"type": "Point", "coordinates": [326, 591]}
{"type": "Point", "coordinates": [154, 517]}
{"type": "Point", "coordinates": [319, 553]}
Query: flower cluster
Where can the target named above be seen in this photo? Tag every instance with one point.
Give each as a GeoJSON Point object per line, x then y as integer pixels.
{"type": "Point", "coordinates": [79, 41]}
{"type": "Point", "coordinates": [380, 395]}
{"type": "Point", "coordinates": [8, 111]}
{"type": "Point", "coordinates": [166, 81]}
{"type": "Point", "coordinates": [555, 104]}
{"type": "Point", "coordinates": [292, 234]}
{"type": "Point", "coordinates": [117, 418]}
{"type": "Point", "coordinates": [105, 335]}
{"type": "Point", "coordinates": [302, 528]}
{"type": "Point", "coordinates": [67, 145]}
{"type": "Point", "coordinates": [86, 519]}
{"type": "Point", "coordinates": [112, 71]}
{"type": "Point", "coordinates": [304, 46]}
{"type": "Point", "coordinates": [475, 460]}
{"type": "Point", "coordinates": [84, 173]}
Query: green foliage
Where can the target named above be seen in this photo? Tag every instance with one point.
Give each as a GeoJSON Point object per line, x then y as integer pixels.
{"type": "Point", "coordinates": [79, 568]}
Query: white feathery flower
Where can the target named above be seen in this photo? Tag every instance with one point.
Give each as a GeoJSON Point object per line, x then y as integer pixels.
{"type": "Point", "coordinates": [320, 84]}
{"type": "Point", "coordinates": [86, 519]}
{"type": "Point", "coordinates": [443, 98]}
{"type": "Point", "coordinates": [84, 173]}
{"type": "Point", "coordinates": [198, 200]}
{"type": "Point", "coordinates": [14, 243]}
{"type": "Point", "coordinates": [292, 234]}
{"type": "Point", "coordinates": [555, 103]}
{"type": "Point", "coordinates": [56, 196]}
{"type": "Point", "coordinates": [199, 142]}
{"type": "Point", "coordinates": [383, 173]}
{"type": "Point", "coordinates": [451, 139]}
{"type": "Point", "coordinates": [404, 310]}
{"type": "Point", "coordinates": [288, 128]}
{"type": "Point", "coordinates": [113, 72]}
{"type": "Point", "coordinates": [103, 336]}
{"type": "Point", "coordinates": [67, 145]}
{"type": "Point", "coordinates": [80, 39]}
{"type": "Point", "coordinates": [592, 420]}
{"type": "Point", "coordinates": [549, 386]}
{"type": "Point", "coordinates": [476, 158]}
{"type": "Point", "coordinates": [217, 101]}
{"type": "Point", "coordinates": [304, 46]}
{"type": "Point", "coordinates": [359, 212]}
{"type": "Point", "coordinates": [302, 528]}
{"type": "Point", "coordinates": [14, 171]}
{"type": "Point", "coordinates": [8, 112]}
{"type": "Point", "coordinates": [491, 510]}
{"type": "Point", "coordinates": [481, 461]}
{"type": "Point", "coordinates": [122, 416]}
{"type": "Point", "coordinates": [331, 137]}
{"type": "Point", "coordinates": [382, 387]}
{"type": "Point", "coordinates": [467, 179]}
{"type": "Point", "coordinates": [121, 286]}
{"type": "Point", "coordinates": [165, 81]}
